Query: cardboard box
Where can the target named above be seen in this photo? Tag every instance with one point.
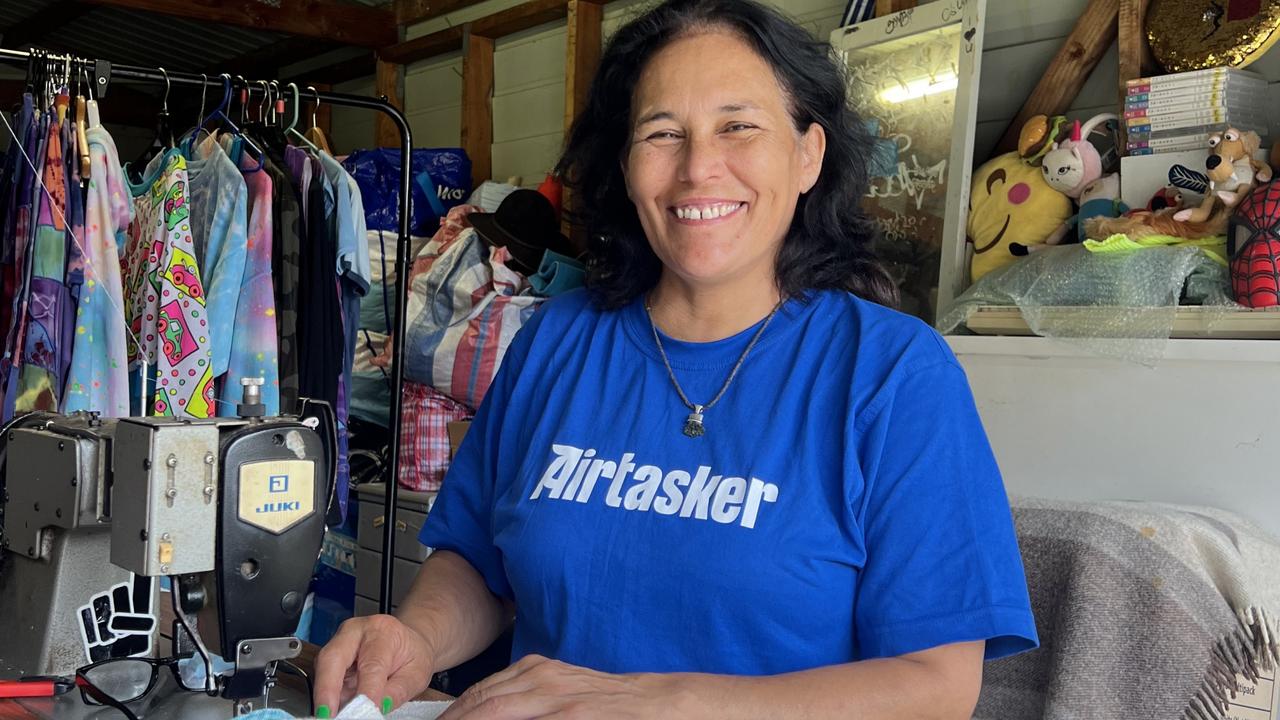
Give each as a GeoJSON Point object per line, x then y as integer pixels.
{"type": "Point", "coordinates": [457, 430]}
{"type": "Point", "coordinates": [1142, 175]}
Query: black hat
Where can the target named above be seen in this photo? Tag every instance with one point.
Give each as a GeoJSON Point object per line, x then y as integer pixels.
{"type": "Point", "coordinates": [526, 224]}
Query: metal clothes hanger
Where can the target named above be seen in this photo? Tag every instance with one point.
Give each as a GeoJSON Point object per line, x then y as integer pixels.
{"type": "Point", "coordinates": [315, 134]}
{"type": "Point", "coordinates": [290, 131]}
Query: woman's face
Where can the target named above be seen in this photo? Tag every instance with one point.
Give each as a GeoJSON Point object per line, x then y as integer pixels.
{"type": "Point", "coordinates": [715, 165]}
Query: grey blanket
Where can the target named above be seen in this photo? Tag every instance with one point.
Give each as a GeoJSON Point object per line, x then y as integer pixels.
{"type": "Point", "coordinates": [1143, 610]}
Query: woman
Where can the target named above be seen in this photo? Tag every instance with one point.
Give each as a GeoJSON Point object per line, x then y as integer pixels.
{"type": "Point", "coordinates": [725, 483]}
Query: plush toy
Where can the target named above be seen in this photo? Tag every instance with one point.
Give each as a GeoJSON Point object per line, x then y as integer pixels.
{"type": "Point", "coordinates": [1074, 163]}
{"type": "Point", "coordinates": [1010, 203]}
{"type": "Point", "coordinates": [1167, 197]}
{"type": "Point", "coordinates": [1233, 172]}
{"type": "Point", "coordinates": [1100, 199]}
{"type": "Point", "coordinates": [1039, 136]}
{"type": "Point", "coordinates": [1253, 244]}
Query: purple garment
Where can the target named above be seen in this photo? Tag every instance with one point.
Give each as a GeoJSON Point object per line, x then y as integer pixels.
{"type": "Point", "coordinates": [299, 163]}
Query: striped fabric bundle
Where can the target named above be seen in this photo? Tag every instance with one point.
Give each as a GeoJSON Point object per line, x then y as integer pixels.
{"type": "Point", "coordinates": [466, 307]}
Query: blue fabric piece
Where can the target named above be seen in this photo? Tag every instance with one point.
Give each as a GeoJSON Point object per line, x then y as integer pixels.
{"type": "Point", "coordinates": [557, 274]}
{"type": "Point", "coordinates": [844, 503]}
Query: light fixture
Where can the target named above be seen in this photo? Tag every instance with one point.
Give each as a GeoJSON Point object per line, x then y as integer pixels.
{"type": "Point", "coordinates": [920, 88]}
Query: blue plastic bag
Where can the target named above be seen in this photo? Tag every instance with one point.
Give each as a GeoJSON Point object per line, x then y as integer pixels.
{"type": "Point", "coordinates": [377, 172]}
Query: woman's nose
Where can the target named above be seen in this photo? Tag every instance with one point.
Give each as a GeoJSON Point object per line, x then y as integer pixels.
{"type": "Point", "coordinates": [702, 160]}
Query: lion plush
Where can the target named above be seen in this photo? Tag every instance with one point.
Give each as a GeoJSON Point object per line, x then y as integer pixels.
{"type": "Point", "coordinates": [1010, 202]}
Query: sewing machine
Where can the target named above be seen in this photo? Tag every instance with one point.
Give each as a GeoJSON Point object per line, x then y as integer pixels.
{"type": "Point", "coordinates": [95, 511]}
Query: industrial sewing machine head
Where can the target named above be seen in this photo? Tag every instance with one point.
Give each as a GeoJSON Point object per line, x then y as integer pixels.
{"type": "Point", "coordinates": [95, 511]}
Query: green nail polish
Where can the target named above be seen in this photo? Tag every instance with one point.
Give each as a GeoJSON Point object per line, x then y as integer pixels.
{"type": "Point", "coordinates": [322, 712]}
{"type": "Point", "coordinates": [386, 705]}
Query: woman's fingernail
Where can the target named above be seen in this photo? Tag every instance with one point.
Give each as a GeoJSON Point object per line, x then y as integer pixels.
{"type": "Point", "coordinates": [322, 712]}
{"type": "Point", "coordinates": [386, 705]}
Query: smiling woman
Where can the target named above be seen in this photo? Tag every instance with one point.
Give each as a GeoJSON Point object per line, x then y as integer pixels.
{"type": "Point", "coordinates": [726, 481]}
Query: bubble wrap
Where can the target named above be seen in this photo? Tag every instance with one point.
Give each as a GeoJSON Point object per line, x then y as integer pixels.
{"type": "Point", "coordinates": [1119, 304]}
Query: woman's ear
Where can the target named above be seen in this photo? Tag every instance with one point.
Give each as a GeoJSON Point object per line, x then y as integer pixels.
{"type": "Point", "coordinates": [813, 148]}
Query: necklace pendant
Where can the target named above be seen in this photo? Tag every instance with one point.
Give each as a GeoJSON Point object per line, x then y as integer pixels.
{"type": "Point", "coordinates": [693, 426]}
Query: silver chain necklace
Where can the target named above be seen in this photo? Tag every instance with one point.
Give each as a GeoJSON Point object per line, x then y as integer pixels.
{"type": "Point", "coordinates": [693, 425]}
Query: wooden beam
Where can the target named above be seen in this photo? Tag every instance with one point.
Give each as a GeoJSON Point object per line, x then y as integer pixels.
{"type": "Point", "coordinates": [385, 132]}
{"type": "Point", "coordinates": [582, 57]}
{"type": "Point", "coordinates": [409, 12]}
{"type": "Point", "coordinates": [888, 7]}
{"type": "Point", "coordinates": [323, 19]}
{"type": "Point", "coordinates": [477, 104]}
{"type": "Point", "coordinates": [582, 48]}
{"type": "Point", "coordinates": [524, 16]}
{"type": "Point", "coordinates": [42, 23]}
{"type": "Point", "coordinates": [1094, 32]}
{"type": "Point", "coordinates": [1135, 52]}
{"type": "Point", "coordinates": [421, 48]}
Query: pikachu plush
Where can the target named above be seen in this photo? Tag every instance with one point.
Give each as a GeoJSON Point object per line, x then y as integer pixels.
{"type": "Point", "coordinates": [1010, 202]}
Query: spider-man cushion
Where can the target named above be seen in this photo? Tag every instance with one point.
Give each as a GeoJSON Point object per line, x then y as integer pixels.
{"type": "Point", "coordinates": [1253, 243]}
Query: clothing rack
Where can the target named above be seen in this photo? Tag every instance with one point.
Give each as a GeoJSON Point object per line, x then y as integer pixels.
{"type": "Point", "coordinates": [102, 73]}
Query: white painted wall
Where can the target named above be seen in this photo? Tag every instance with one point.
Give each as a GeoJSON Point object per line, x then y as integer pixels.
{"type": "Point", "coordinates": [1021, 39]}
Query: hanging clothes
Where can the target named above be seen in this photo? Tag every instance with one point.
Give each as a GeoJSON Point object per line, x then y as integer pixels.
{"type": "Point", "coordinates": [253, 339]}
{"type": "Point", "coordinates": [17, 218]}
{"type": "Point", "coordinates": [286, 219]}
{"type": "Point", "coordinates": [27, 168]}
{"type": "Point", "coordinates": [164, 297]}
{"type": "Point", "coordinates": [39, 377]}
{"type": "Point", "coordinates": [320, 334]}
{"type": "Point", "coordinates": [99, 378]}
{"type": "Point", "coordinates": [219, 219]}
{"type": "Point", "coordinates": [73, 280]}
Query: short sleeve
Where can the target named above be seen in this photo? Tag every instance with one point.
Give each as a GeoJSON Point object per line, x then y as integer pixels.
{"type": "Point", "coordinates": [942, 561]}
{"type": "Point", "coordinates": [461, 520]}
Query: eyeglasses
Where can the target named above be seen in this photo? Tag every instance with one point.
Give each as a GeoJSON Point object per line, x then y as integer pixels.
{"type": "Point", "coordinates": [117, 681]}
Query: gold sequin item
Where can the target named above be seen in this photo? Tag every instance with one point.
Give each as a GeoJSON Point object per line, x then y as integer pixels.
{"type": "Point", "coordinates": [1195, 34]}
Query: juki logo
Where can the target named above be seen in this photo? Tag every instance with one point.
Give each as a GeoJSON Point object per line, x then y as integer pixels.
{"type": "Point", "coordinates": [279, 484]}
{"type": "Point", "coordinates": [447, 193]}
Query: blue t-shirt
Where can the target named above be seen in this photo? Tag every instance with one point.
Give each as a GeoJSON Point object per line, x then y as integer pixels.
{"type": "Point", "coordinates": [844, 503]}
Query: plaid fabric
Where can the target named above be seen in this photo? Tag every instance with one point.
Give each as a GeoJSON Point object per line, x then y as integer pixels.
{"type": "Point", "coordinates": [424, 451]}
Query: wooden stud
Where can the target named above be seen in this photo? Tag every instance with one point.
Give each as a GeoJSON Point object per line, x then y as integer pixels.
{"type": "Point", "coordinates": [426, 46]}
{"type": "Point", "coordinates": [349, 24]}
{"type": "Point", "coordinates": [1135, 52]}
{"type": "Point", "coordinates": [582, 55]}
{"type": "Point", "coordinates": [888, 7]}
{"type": "Point", "coordinates": [1094, 32]}
{"type": "Point", "coordinates": [477, 104]}
{"type": "Point", "coordinates": [385, 132]}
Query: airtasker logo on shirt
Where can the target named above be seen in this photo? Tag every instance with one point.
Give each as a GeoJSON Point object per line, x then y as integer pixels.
{"type": "Point", "coordinates": [574, 474]}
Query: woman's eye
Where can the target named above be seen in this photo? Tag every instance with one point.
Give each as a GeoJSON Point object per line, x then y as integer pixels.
{"type": "Point", "coordinates": [737, 127]}
{"type": "Point", "coordinates": [663, 135]}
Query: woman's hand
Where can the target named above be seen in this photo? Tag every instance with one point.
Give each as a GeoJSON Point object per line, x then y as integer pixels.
{"type": "Point", "coordinates": [538, 687]}
{"type": "Point", "coordinates": [375, 656]}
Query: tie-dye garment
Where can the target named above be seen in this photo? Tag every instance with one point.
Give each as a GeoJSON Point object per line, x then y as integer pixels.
{"type": "Point", "coordinates": [99, 378]}
{"type": "Point", "coordinates": [47, 302]}
{"type": "Point", "coordinates": [164, 298]}
{"type": "Point", "coordinates": [253, 340]}
{"type": "Point", "coordinates": [219, 216]}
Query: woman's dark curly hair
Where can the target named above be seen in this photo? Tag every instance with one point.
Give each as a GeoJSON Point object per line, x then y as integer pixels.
{"type": "Point", "coordinates": [827, 246]}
